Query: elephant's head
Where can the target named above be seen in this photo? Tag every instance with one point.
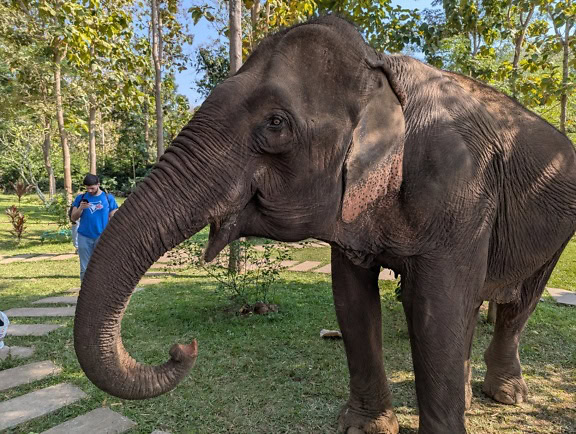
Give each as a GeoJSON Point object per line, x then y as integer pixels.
{"type": "Point", "coordinates": [300, 143]}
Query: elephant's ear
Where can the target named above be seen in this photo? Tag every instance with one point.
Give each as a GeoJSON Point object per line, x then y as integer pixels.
{"type": "Point", "coordinates": [373, 168]}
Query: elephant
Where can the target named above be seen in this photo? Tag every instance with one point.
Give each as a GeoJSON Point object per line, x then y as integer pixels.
{"type": "Point", "coordinates": [448, 182]}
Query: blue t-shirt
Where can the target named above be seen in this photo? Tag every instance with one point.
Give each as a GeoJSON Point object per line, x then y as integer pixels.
{"type": "Point", "coordinates": [93, 220]}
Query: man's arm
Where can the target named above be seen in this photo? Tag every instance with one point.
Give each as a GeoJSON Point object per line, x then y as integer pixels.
{"type": "Point", "coordinates": [112, 213]}
{"type": "Point", "coordinates": [77, 212]}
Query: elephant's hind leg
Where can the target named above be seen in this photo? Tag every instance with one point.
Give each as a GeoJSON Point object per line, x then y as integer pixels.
{"type": "Point", "coordinates": [357, 303]}
{"type": "Point", "coordinates": [503, 381]}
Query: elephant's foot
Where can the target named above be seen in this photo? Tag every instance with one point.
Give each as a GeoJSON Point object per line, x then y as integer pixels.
{"type": "Point", "coordinates": [505, 389]}
{"type": "Point", "coordinates": [351, 422]}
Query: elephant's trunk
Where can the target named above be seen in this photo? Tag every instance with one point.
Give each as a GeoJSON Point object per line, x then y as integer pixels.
{"type": "Point", "coordinates": [165, 210]}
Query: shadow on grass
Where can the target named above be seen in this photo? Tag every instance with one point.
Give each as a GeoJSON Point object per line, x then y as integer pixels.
{"type": "Point", "coordinates": [42, 276]}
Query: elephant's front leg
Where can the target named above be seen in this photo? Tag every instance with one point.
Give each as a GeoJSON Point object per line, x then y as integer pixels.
{"type": "Point", "coordinates": [357, 302]}
{"type": "Point", "coordinates": [440, 302]}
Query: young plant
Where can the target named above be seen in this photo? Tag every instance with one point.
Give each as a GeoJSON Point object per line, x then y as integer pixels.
{"type": "Point", "coordinates": [21, 188]}
{"type": "Point", "coordinates": [18, 221]}
{"type": "Point", "coordinates": [252, 284]}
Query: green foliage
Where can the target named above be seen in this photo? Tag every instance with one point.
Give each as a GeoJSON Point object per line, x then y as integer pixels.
{"type": "Point", "coordinates": [58, 208]}
{"type": "Point", "coordinates": [214, 65]}
{"type": "Point", "coordinates": [18, 221]}
{"type": "Point", "coordinates": [253, 282]}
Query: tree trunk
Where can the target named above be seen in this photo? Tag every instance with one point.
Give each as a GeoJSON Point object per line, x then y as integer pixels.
{"type": "Point", "coordinates": [102, 140]}
{"type": "Point", "coordinates": [92, 121]}
{"type": "Point", "coordinates": [59, 55]}
{"type": "Point", "coordinates": [565, 71]}
{"type": "Point", "coordinates": [267, 15]}
{"type": "Point", "coordinates": [518, 50]}
{"type": "Point", "coordinates": [235, 36]}
{"type": "Point", "coordinates": [46, 148]}
{"type": "Point", "coordinates": [235, 63]}
{"type": "Point", "coordinates": [156, 56]}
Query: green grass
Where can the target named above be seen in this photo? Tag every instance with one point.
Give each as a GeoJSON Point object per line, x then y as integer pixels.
{"type": "Point", "coordinates": [273, 374]}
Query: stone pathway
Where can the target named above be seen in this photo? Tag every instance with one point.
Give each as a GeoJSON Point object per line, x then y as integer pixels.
{"type": "Point", "coordinates": [41, 402]}
{"type": "Point", "coordinates": [27, 374]}
{"type": "Point", "coordinates": [93, 423]}
{"type": "Point", "coordinates": [38, 403]}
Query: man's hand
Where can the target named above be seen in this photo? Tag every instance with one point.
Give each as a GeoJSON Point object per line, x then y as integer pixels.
{"type": "Point", "coordinates": [84, 205]}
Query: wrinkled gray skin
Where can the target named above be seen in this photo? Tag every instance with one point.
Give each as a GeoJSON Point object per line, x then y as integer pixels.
{"type": "Point", "coordinates": [396, 164]}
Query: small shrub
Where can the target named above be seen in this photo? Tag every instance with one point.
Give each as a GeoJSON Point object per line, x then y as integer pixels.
{"type": "Point", "coordinates": [252, 286]}
{"type": "Point", "coordinates": [21, 188]}
{"type": "Point", "coordinates": [18, 221]}
{"type": "Point", "coordinates": [59, 208]}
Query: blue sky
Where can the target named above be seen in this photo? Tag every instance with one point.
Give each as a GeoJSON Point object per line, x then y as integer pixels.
{"type": "Point", "coordinates": [205, 33]}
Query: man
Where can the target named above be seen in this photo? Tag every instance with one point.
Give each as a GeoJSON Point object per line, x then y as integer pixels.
{"type": "Point", "coordinates": [95, 208]}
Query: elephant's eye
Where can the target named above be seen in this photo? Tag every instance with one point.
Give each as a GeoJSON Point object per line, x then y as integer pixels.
{"type": "Point", "coordinates": [275, 123]}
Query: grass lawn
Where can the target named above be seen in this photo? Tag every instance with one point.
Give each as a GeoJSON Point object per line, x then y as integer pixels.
{"type": "Point", "coordinates": [273, 374]}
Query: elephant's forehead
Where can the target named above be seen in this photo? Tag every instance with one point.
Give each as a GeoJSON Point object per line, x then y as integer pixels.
{"type": "Point", "coordinates": [316, 48]}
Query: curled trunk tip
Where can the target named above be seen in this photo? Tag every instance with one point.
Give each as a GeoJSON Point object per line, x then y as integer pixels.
{"type": "Point", "coordinates": [185, 354]}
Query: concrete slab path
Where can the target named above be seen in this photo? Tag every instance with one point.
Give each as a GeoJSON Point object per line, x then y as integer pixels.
{"type": "Point", "coordinates": [563, 296]}
{"type": "Point", "coordinates": [40, 311]}
{"type": "Point", "coordinates": [63, 257]}
{"type": "Point", "coordinates": [38, 403]}
{"type": "Point", "coordinates": [16, 352]}
{"type": "Point", "coordinates": [305, 266]}
{"type": "Point", "coordinates": [42, 257]}
{"type": "Point", "coordinates": [325, 269]}
{"type": "Point", "coordinates": [32, 329]}
{"type": "Point", "coordinates": [27, 374]}
{"type": "Point", "coordinates": [66, 299]}
{"type": "Point", "coordinates": [17, 258]}
{"type": "Point", "coordinates": [99, 421]}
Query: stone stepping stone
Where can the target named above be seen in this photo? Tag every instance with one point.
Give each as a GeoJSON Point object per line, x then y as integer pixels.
{"type": "Point", "coordinates": [41, 311]}
{"type": "Point", "coordinates": [160, 432]}
{"type": "Point", "coordinates": [63, 257]}
{"type": "Point", "coordinates": [386, 274]}
{"type": "Point", "coordinates": [67, 299]}
{"type": "Point", "coordinates": [325, 269]}
{"type": "Point", "coordinates": [101, 420]}
{"type": "Point", "coordinates": [563, 296]}
{"type": "Point", "coordinates": [305, 266]}
{"type": "Point", "coordinates": [294, 246]}
{"type": "Point", "coordinates": [32, 329]}
{"type": "Point", "coordinates": [17, 258]}
{"type": "Point", "coordinates": [319, 244]}
{"type": "Point", "coordinates": [16, 352]}
{"type": "Point", "coordinates": [287, 264]}
{"type": "Point", "coordinates": [27, 374]}
{"type": "Point", "coordinates": [73, 290]}
{"type": "Point", "coordinates": [42, 257]}
{"type": "Point", "coordinates": [38, 403]}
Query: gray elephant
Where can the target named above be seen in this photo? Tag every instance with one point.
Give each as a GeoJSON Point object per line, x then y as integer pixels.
{"type": "Point", "coordinates": [394, 163]}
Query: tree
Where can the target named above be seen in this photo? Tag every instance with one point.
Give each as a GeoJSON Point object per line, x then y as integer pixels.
{"type": "Point", "coordinates": [157, 57]}
{"type": "Point", "coordinates": [563, 16]}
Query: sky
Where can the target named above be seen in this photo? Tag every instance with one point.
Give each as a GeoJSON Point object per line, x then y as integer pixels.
{"type": "Point", "coordinates": [205, 33]}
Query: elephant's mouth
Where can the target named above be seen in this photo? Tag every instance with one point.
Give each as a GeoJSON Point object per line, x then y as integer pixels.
{"type": "Point", "coordinates": [222, 232]}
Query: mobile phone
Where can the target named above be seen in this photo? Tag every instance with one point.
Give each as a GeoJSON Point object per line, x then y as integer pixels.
{"type": "Point", "coordinates": [85, 200]}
